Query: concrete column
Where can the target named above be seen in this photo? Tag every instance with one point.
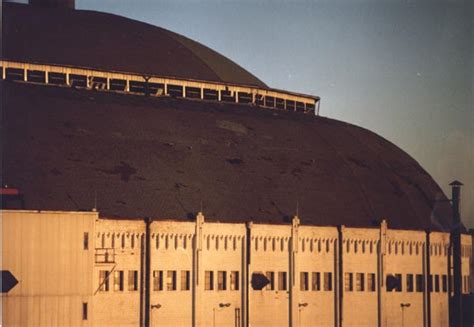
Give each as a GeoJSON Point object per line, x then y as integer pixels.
{"type": "Point", "coordinates": [339, 278]}
{"type": "Point", "coordinates": [25, 77]}
{"type": "Point", "coordinates": [46, 77]}
{"type": "Point", "coordinates": [184, 91]}
{"type": "Point", "coordinates": [202, 93]}
{"type": "Point", "coordinates": [127, 85]}
{"type": "Point", "coordinates": [68, 79]}
{"type": "Point", "coordinates": [246, 259]}
{"type": "Point", "coordinates": [219, 98]}
{"type": "Point", "coordinates": [197, 287]}
{"type": "Point", "coordinates": [293, 275]}
{"type": "Point", "coordinates": [426, 278]}
{"type": "Point", "coordinates": [381, 287]}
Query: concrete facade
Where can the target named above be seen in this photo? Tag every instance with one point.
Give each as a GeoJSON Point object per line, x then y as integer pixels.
{"type": "Point", "coordinates": [75, 268]}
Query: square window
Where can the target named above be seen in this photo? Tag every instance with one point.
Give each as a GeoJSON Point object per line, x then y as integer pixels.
{"type": "Point", "coordinates": [420, 283]}
{"type": "Point", "coordinates": [444, 280]}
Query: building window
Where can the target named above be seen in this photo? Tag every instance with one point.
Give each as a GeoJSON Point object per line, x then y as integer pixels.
{"type": "Point", "coordinates": [420, 285]}
{"type": "Point", "coordinates": [328, 281]}
{"type": "Point", "coordinates": [282, 286]}
{"type": "Point", "coordinates": [316, 281]}
{"type": "Point", "coordinates": [371, 282]}
{"type": "Point", "coordinates": [436, 283]}
{"type": "Point", "coordinates": [157, 280]}
{"type": "Point", "coordinates": [185, 280]}
{"type": "Point", "coordinates": [348, 282]}
{"type": "Point", "coordinates": [104, 280]}
{"type": "Point", "coordinates": [84, 311]}
{"type": "Point", "coordinates": [271, 278]}
{"type": "Point", "coordinates": [410, 286]}
{"type": "Point", "coordinates": [394, 283]}
{"type": "Point", "coordinates": [360, 285]}
{"type": "Point", "coordinates": [209, 280]}
{"type": "Point", "coordinates": [234, 280]}
{"type": "Point", "coordinates": [132, 241]}
{"type": "Point", "coordinates": [221, 280]}
{"type": "Point", "coordinates": [133, 280]}
{"type": "Point", "coordinates": [118, 280]}
{"type": "Point", "coordinates": [86, 241]}
{"type": "Point", "coordinates": [171, 280]}
{"type": "Point", "coordinates": [123, 241]}
{"type": "Point", "coordinates": [444, 280]}
{"type": "Point", "coordinates": [304, 281]}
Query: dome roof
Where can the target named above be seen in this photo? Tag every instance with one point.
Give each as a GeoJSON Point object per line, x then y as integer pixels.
{"type": "Point", "coordinates": [163, 157]}
{"type": "Point", "coordinates": [113, 43]}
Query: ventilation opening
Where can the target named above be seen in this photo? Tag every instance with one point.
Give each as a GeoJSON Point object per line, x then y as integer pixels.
{"type": "Point", "coordinates": [117, 84]}
{"type": "Point", "coordinates": [36, 76]}
{"type": "Point", "coordinates": [193, 92]}
{"type": "Point", "coordinates": [57, 78]}
{"type": "Point", "coordinates": [78, 80]}
{"type": "Point", "coordinates": [227, 96]}
{"type": "Point", "coordinates": [14, 74]}
{"type": "Point", "coordinates": [245, 97]}
{"type": "Point", "coordinates": [175, 90]}
{"type": "Point", "coordinates": [210, 94]}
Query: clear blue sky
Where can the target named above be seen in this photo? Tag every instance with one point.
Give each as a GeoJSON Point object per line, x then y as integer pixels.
{"type": "Point", "coordinates": [403, 69]}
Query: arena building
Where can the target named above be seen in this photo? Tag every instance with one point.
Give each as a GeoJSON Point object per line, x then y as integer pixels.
{"type": "Point", "coordinates": [148, 180]}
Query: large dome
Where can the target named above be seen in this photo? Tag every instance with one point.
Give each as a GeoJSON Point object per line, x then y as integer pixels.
{"type": "Point", "coordinates": [108, 42]}
{"type": "Point", "coordinates": [134, 156]}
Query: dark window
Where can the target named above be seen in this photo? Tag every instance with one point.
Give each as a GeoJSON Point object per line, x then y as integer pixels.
{"type": "Point", "coordinates": [77, 80]}
{"type": "Point", "coordinates": [221, 280]}
{"type": "Point", "coordinates": [300, 106]}
{"type": "Point", "coordinates": [420, 284]}
{"type": "Point", "coordinates": [185, 280]}
{"type": "Point", "coordinates": [137, 87]}
{"type": "Point", "coordinates": [234, 280]}
{"type": "Point", "coordinates": [36, 76]}
{"type": "Point", "coordinates": [175, 90]}
{"type": "Point", "coordinates": [348, 282]}
{"type": "Point", "coordinates": [394, 283]}
{"type": "Point", "coordinates": [328, 281]}
{"type": "Point", "coordinates": [84, 311]}
{"type": "Point", "coordinates": [156, 89]}
{"type": "Point", "coordinates": [436, 283]}
{"type": "Point", "coordinates": [98, 83]}
{"type": "Point", "coordinates": [14, 74]}
{"type": "Point", "coordinates": [316, 281]}
{"type": "Point", "coordinates": [271, 278]}
{"type": "Point", "coordinates": [133, 280]}
{"type": "Point", "coordinates": [282, 285]}
{"type": "Point", "coordinates": [209, 280]}
{"type": "Point", "coordinates": [360, 282]}
{"type": "Point", "coordinates": [290, 105]}
{"type": "Point", "coordinates": [57, 78]}
{"type": "Point", "coordinates": [304, 281]}
{"type": "Point", "coordinates": [410, 286]}
{"type": "Point", "coordinates": [244, 97]}
{"type": "Point", "coordinates": [227, 96]}
{"type": "Point", "coordinates": [157, 280]}
{"type": "Point", "coordinates": [193, 92]}
{"type": "Point", "coordinates": [117, 84]}
{"type": "Point", "coordinates": [371, 285]}
{"type": "Point", "coordinates": [279, 103]}
{"type": "Point", "coordinates": [445, 283]}
{"type": "Point", "coordinates": [309, 107]}
{"type": "Point", "coordinates": [86, 241]}
{"type": "Point", "coordinates": [269, 101]}
{"type": "Point", "coordinates": [259, 100]}
{"type": "Point", "coordinates": [210, 94]}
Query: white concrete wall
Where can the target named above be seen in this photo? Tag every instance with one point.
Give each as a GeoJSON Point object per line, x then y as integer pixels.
{"type": "Point", "coordinates": [45, 252]}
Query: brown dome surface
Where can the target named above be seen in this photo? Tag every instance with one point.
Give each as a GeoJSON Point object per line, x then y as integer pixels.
{"type": "Point", "coordinates": [109, 42]}
{"type": "Point", "coordinates": [162, 157]}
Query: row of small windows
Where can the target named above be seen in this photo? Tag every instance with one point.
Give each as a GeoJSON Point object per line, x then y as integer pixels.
{"type": "Point", "coordinates": [225, 280]}
{"type": "Point", "coordinates": [157, 89]}
{"type": "Point", "coordinates": [115, 279]}
{"type": "Point", "coordinates": [416, 283]}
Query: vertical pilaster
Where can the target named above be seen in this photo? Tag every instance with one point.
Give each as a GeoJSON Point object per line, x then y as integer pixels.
{"type": "Point", "coordinates": [246, 257]}
{"type": "Point", "coordinates": [381, 287]}
{"type": "Point", "coordinates": [293, 276]}
{"type": "Point", "coordinates": [197, 288]}
{"type": "Point", "coordinates": [339, 277]}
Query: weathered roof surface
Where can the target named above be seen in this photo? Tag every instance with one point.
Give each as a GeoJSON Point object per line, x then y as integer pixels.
{"type": "Point", "coordinates": [110, 42]}
{"type": "Point", "coordinates": [152, 157]}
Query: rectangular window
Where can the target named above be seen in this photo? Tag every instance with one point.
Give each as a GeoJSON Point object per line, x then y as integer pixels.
{"type": "Point", "coordinates": [221, 280]}
{"type": "Point", "coordinates": [209, 280]}
{"type": "Point", "coordinates": [410, 286]}
{"type": "Point", "coordinates": [371, 282]}
{"type": "Point", "coordinates": [192, 92]}
{"type": "Point", "coordinates": [420, 285]}
{"type": "Point", "coordinates": [104, 280]}
{"type": "Point", "coordinates": [360, 285]}
{"type": "Point", "coordinates": [171, 280]}
{"type": "Point", "coordinates": [210, 94]}
{"type": "Point", "coordinates": [304, 281]}
{"type": "Point", "coordinates": [234, 280]}
{"type": "Point", "coordinates": [37, 76]}
{"type": "Point", "coordinates": [118, 280]}
{"type": "Point", "coordinates": [86, 241]}
{"type": "Point", "coordinates": [436, 283]}
{"type": "Point", "coordinates": [158, 280]}
{"type": "Point", "coordinates": [316, 281]}
{"type": "Point", "coordinates": [348, 282]}
{"type": "Point", "coordinates": [185, 280]}
{"type": "Point", "coordinates": [271, 278]}
{"type": "Point", "coordinates": [394, 283]}
{"type": "Point", "coordinates": [282, 285]}
{"type": "Point", "coordinates": [117, 84]}
{"type": "Point", "coordinates": [56, 78]}
{"type": "Point", "coordinates": [133, 280]}
{"type": "Point", "coordinates": [444, 280]}
{"type": "Point", "coordinates": [328, 281]}
{"type": "Point", "coordinates": [84, 311]}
